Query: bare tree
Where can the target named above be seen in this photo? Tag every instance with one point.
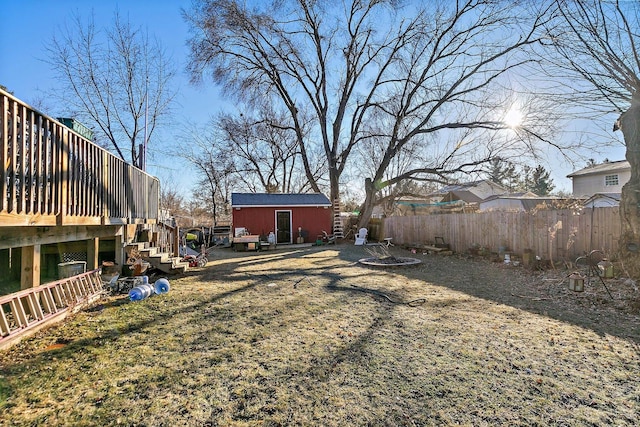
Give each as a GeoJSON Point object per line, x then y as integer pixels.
{"type": "Point", "coordinates": [115, 80]}
{"type": "Point", "coordinates": [213, 164]}
{"type": "Point", "coordinates": [255, 153]}
{"type": "Point", "coordinates": [265, 152]}
{"type": "Point", "coordinates": [436, 75]}
{"type": "Point", "coordinates": [598, 45]}
{"type": "Point", "coordinates": [171, 201]}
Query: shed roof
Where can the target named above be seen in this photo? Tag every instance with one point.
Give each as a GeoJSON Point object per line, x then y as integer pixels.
{"type": "Point", "coordinates": [527, 203]}
{"type": "Point", "coordinates": [467, 186]}
{"type": "Point", "coordinates": [465, 196]}
{"type": "Point", "coordinates": [241, 200]}
{"type": "Point", "coordinates": [613, 197]}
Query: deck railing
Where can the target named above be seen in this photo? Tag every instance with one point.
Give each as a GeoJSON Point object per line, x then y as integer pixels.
{"type": "Point", "coordinates": [168, 239]}
{"type": "Point", "coordinates": [51, 175]}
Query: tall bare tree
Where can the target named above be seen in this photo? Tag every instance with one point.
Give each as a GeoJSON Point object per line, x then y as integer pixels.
{"type": "Point", "coordinates": [171, 201]}
{"type": "Point", "coordinates": [265, 152]}
{"type": "Point", "coordinates": [232, 152]}
{"type": "Point", "coordinates": [115, 80]}
{"type": "Point", "coordinates": [213, 164]}
{"type": "Point", "coordinates": [417, 78]}
{"type": "Point", "coordinates": [598, 45]}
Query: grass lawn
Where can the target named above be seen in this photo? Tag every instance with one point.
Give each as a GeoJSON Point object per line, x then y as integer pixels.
{"type": "Point", "coordinates": [311, 337]}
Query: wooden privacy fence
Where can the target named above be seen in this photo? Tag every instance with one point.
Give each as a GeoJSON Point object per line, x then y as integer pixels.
{"type": "Point", "coordinates": [552, 235]}
{"type": "Point", "coordinates": [51, 175]}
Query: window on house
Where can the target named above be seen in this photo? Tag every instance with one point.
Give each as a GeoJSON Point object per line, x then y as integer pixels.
{"type": "Point", "coordinates": [610, 180]}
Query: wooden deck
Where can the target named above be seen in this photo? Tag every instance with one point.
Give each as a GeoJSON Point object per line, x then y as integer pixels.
{"type": "Point", "coordinates": [62, 194]}
{"type": "Point", "coordinates": [53, 176]}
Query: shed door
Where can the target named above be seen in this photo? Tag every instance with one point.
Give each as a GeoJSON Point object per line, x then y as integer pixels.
{"type": "Point", "coordinates": [283, 226]}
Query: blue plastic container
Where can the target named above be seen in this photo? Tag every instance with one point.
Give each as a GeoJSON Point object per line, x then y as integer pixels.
{"type": "Point", "coordinates": [141, 292]}
{"type": "Point", "coordinates": [161, 286]}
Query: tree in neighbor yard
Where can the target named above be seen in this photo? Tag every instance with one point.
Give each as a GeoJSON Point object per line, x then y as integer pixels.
{"type": "Point", "coordinates": [214, 168]}
{"type": "Point", "coordinates": [254, 153]}
{"type": "Point", "coordinates": [429, 82]}
{"type": "Point", "coordinates": [598, 44]}
{"type": "Point", "coordinates": [171, 200]}
{"type": "Point", "coordinates": [537, 180]}
{"type": "Point", "coordinates": [116, 81]}
{"type": "Point", "coordinates": [265, 152]}
{"type": "Point", "coordinates": [503, 173]}
{"type": "Point", "coordinates": [540, 183]}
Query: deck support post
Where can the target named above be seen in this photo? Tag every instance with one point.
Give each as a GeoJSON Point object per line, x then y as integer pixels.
{"type": "Point", "coordinates": [120, 257]}
{"type": "Point", "coordinates": [93, 246]}
{"type": "Point", "coordinates": [30, 267]}
{"type": "Point", "coordinates": [176, 242]}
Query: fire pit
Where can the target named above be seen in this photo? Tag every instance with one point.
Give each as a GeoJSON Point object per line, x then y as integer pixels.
{"type": "Point", "coordinates": [383, 258]}
{"type": "Point", "coordinates": [389, 262]}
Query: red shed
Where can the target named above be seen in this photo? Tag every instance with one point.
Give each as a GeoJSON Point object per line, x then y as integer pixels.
{"type": "Point", "coordinates": [283, 214]}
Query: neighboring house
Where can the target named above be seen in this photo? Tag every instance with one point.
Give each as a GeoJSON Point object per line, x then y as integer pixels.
{"type": "Point", "coordinates": [606, 178]}
{"type": "Point", "coordinates": [603, 200]}
{"type": "Point", "coordinates": [518, 202]}
{"type": "Point", "coordinates": [466, 196]}
{"type": "Point", "coordinates": [462, 201]}
{"type": "Point", "coordinates": [461, 198]}
{"type": "Point", "coordinates": [469, 192]}
{"type": "Point", "coordinates": [282, 214]}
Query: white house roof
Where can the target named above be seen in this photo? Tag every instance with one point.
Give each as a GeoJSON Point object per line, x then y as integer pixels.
{"type": "Point", "coordinates": [617, 166]}
{"type": "Point", "coordinates": [613, 198]}
{"type": "Point", "coordinates": [526, 202]}
{"type": "Point", "coordinates": [464, 195]}
{"type": "Point", "coordinates": [243, 200]}
{"type": "Point", "coordinates": [519, 195]}
{"type": "Point", "coordinates": [467, 186]}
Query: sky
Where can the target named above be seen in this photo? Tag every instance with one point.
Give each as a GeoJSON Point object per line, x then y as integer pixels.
{"type": "Point", "coordinates": [27, 25]}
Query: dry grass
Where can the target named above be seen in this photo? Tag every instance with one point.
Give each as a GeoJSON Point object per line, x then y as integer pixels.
{"type": "Point", "coordinates": [309, 337]}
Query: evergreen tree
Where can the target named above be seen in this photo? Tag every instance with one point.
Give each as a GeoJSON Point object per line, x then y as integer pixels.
{"type": "Point", "coordinates": [524, 180]}
{"type": "Point", "coordinates": [503, 173]}
{"type": "Point", "coordinates": [540, 181]}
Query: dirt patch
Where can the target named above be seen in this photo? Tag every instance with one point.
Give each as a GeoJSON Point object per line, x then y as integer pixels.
{"type": "Point", "coordinates": [389, 261]}
{"type": "Point", "coordinates": [312, 337]}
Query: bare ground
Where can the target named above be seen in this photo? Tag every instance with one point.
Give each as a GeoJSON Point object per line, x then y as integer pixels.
{"type": "Point", "coordinates": [311, 337]}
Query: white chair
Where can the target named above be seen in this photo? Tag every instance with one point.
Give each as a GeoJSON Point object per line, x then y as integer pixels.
{"type": "Point", "coordinates": [361, 237]}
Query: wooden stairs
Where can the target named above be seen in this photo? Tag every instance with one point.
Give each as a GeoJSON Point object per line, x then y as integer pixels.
{"type": "Point", "coordinates": [160, 260]}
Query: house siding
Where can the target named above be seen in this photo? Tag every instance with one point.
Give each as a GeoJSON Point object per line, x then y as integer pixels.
{"type": "Point", "coordinates": [262, 220]}
{"type": "Point", "coordinates": [588, 185]}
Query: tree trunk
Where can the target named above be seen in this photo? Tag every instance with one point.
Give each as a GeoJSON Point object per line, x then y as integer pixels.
{"type": "Point", "coordinates": [367, 207]}
{"type": "Point", "coordinates": [630, 199]}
